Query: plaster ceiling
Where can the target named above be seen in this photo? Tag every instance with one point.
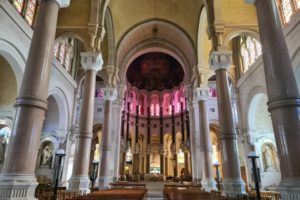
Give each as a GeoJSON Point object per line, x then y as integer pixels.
{"type": "Point", "coordinates": [128, 13]}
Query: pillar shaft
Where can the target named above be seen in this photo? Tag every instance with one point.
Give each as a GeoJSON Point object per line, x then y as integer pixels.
{"type": "Point", "coordinates": [233, 183]}
{"type": "Point", "coordinates": [208, 181]}
{"type": "Point", "coordinates": [105, 172]}
{"type": "Point", "coordinates": [91, 62]}
{"type": "Point", "coordinates": [31, 105]}
{"type": "Point", "coordinates": [284, 101]}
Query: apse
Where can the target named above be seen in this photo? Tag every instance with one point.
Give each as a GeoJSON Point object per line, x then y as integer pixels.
{"type": "Point", "coordinates": [155, 71]}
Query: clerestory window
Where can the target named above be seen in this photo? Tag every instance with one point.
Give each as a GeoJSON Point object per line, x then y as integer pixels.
{"type": "Point", "coordinates": [287, 9]}
{"type": "Point", "coordinates": [27, 9]}
{"type": "Point", "coordinates": [250, 51]}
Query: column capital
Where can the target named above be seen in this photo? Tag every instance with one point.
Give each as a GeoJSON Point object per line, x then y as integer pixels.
{"type": "Point", "coordinates": [91, 61]}
{"type": "Point", "coordinates": [63, 3]}
{"type": "Point", "coordinates": [250, 1]}
{"type": "Point", "coordinates": [110, 93]}
{"type": "Point", "coordinates": [201, 94]}
{"type": "Point", "coordinates": [220, 60]}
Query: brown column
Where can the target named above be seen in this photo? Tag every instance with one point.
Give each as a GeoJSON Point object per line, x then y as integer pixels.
{"type": "Point", "coordinates": [18, 175]}
{"type": "Point", "coordinates": [208, 182]}
{"type": "Point", "coordinates": [123, 145]}
{"type": "Point", "coordinates": [92, 63]}
{"type": "Point", "coordinates": [232, 183]}
{"type": "Point", "coordinates": [284, 101]}
{"type": "Point", "coordinates": [167, 164]}
{"type": "Point", "coordinates": [106, 175]}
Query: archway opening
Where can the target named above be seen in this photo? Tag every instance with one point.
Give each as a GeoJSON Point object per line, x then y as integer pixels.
{"type": "Point", "coordinates": [262, 138]}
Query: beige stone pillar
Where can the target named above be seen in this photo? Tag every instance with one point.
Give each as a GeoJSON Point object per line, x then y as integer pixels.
{"type": "Point", "coordinates": [283, 95]}
{"type": "Point", "coordinates": [208, 182]}
{"type": "Point", "coordinates": [18, 175]}
{"type": "Point", "coordinates": [92, 63]}
{"type": "Point", "coordinates": [105, 175]}
{"type": "Point", "coordinates": [233, 183]}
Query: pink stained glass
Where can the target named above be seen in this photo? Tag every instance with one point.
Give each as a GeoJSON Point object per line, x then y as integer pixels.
{"type": "Point", "coordinates": [19, 4]}
{"type": "Point", "coordinates": [30, 11]}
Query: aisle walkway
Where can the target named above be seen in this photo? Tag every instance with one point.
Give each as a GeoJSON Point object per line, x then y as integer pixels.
{"type": "Point", "coordinates": [155, 190]}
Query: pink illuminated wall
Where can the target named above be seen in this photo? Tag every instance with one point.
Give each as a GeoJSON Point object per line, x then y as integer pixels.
{"type": "Point", "coordinates": [155, 100]}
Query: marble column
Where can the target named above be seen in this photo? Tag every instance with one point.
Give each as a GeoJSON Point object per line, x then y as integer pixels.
{"type": "Point", "coordinates": [208, 182]}
{"type": "Point", "coordinates": [116, 135]}
{"type": "Point", "coordinates": [18, 175]}
{"type": "Point", "coordinates": [105, 174]}
{"type": "Point", "coordinates": [161, 140]}
{"type": "Point", "coordinates": [197, 160]}
{"type": "Point", "coordinates": [283, 95]}
{"type": "Point", "coordinates": [148, 142]}
{"type": "Point", "coordinates": [92, 63]}
{"type": "Point", "coordinates": [233, 183]}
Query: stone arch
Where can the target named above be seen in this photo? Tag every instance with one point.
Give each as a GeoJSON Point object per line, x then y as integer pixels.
{"type": "Point", "coordinates": [239, 32]}
{"type": "Point", "coordinates": [8, 86]}
{"type": "Point", "coordinates": [260, 132]}
{"type": "Point", "coordinates": [203, 42]}
{"type": "Point", "coordinates": [178, 45]}
{"type": "Point", "coordinates": [15, 59]}
{"type": "Point", "coordinates": [111, 37]}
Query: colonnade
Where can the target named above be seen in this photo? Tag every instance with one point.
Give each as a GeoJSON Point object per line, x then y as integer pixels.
{"type": "Point", "coordinates": [18, 172]}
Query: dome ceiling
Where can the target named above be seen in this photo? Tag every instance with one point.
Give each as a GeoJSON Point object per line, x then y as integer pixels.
{"type": "Point", "coordinates": [155, 71]}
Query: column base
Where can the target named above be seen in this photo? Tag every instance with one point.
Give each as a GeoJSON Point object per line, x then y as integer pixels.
{"type": "Point", "coordinates": [17, 187]}
{"type": "Point", "coordinates": [104, 182]}
{"type": "Point", "coordinates": [209, 184]}
{"type": "Point", "coordinates": [289, 189]}
{"type": "Point", "coordinates": [231, 187]}
{"type": "Point", "coordinates": [80, 184]}
{"type": "Point", "coordinates": [197, 180]}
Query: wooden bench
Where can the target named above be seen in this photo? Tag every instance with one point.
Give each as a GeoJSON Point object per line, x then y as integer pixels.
{"type": "Point", "coordinates": [114, 194]}
{"type": "Point", "coordinates": [187, 194]}
{"type": "Point", "coordinates": [191, 186]}
{"type": "Point", "coordinates": [128, 185]}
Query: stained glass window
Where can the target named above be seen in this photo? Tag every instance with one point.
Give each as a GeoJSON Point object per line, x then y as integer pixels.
{"type": "Point", "coordinates": [30, 10]}
{"type": "Point", "coordinates": [250, 51]}
{"type": "Point", "coordinates": [298, 4]}
{"type": "Point", "coordinates": [287, 10]}
{"type": "Point", "coordinates": [19, 5]}
{"type": "Point", "coordinates": [63, 51]}
{"type": "Point", "coordinates": [27, 9]}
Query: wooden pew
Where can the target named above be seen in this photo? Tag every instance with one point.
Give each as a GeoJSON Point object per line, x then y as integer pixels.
{"type": "Point", "coordinates": [115, 194]}
{"type": "Point", "coordinates": [187, 194]}
{"type": "Point", "coordinates": [191, 186]}
{"type": "Point", "coordinates": [127, 185]}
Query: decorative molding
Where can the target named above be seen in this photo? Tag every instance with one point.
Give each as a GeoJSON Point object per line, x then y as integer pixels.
{"type": "Point", "coordinates": [250, 1]}
{"type": "Point", "coordinates": [63, 3]}
{"type": "Point", "coordinates": [220, 60]}
{"type": "Point", "coordinates": [91, 61]}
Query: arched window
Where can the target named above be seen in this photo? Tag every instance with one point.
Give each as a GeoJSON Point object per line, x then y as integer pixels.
{"type": "Point", "coordinates": [63, 51]}
{"type": "Point", "coordinates": [27, 9]}
{"type": "Point", "coordinates": [250, 51]}
{"type": "Point", "coordinates": [287, 8]}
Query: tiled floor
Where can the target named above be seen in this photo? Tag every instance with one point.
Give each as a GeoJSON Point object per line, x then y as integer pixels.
{"type": "Point", "coordinates": [155, 190]}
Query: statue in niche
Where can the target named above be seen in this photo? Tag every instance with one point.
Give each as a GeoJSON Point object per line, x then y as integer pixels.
{"type": "Point", "coordinates": [4, 139]}
{"type": "Point", "coordinates": [47, 156]}
{"type": "Point", "coordinates": [268, 159]}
